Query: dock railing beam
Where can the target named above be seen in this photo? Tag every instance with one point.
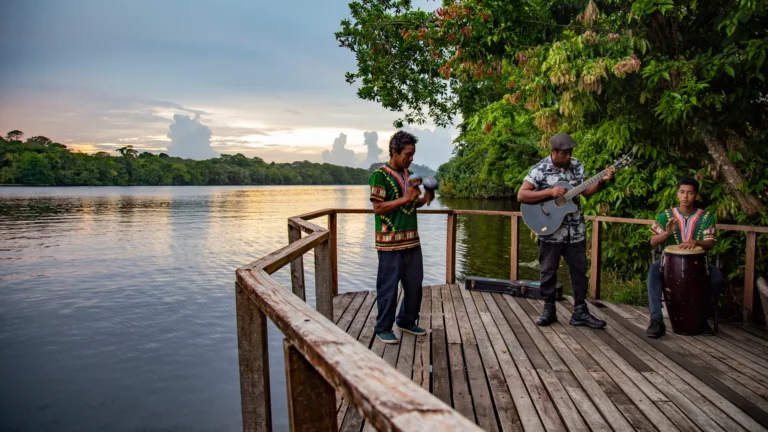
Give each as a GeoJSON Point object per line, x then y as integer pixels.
{"type": "Point", "coordinates": [450, 250]}
{"type": "Point", "coordinates": [311, 400]}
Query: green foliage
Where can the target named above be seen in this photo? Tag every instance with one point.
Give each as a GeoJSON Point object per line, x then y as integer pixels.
{"type": "Point", "coordinates": [681, 83]}
{"type": "Point", "coordinates": [40, 161]}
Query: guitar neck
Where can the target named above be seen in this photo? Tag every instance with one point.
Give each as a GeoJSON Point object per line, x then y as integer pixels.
{"type": "Point", "coordinates": [584, 186]}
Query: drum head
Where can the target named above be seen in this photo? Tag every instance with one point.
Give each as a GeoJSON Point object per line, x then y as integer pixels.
{"type": "Point", "coordinates": [675, 250]}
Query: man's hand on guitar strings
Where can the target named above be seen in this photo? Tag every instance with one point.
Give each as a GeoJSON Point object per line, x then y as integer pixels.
{"type": "Point", "coordinates": [558, 191]}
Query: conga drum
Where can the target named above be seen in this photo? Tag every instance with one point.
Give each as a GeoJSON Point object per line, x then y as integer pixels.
{"type": "Point", "coordinates": [686, 288]}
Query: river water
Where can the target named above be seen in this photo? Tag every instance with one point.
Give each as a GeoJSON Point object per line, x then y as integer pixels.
{"type": "Point", "coordinates": [117, 303]}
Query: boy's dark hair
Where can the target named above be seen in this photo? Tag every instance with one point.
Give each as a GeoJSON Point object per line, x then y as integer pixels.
{"type": "Point", "coordinates": [399, 140]}
{"type": "Point", "coordinates": [690, 181]}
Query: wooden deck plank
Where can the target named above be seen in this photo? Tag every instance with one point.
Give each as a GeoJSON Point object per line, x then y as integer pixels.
{"type": "Point", "coordinates": [751, 385]}
{"type": "Point", "coordinates": [643, 402]}
{"type": "Point", "coordinates": [579, 376]}
{"type": "Point", "coordinates": [741, 337]}
{"type": "Point", "coordinates": [358, 323]}
{"type": "Point", "coordinates": [533, 404]}
{"type": "Point", "coordinates": [731, 329]}
{"type": "Point", "coordinates": [421, 355]}
{"type": "Point", "coordinates": [503, 402]}
{"type": "Point", "coordinates": [391, 351]}
{"type": "Point", "coordinates": [505, 344]}
{"type": "Point", "coordinates": [628, 408]}
{"type": "Point", "coordinates": [737, 354]}
{"type": "Point", "coordinates": [682, 378]}
{"type": "Point", "coordinates": [579, 346]}
{"type": "Point", "coordinates": [441, 386]}
{"type": "Point", "coordinates": [340, 304]}
{"type": "Point", "coordinates": [527, 353]}
{"type": "Point", "coordinates": [478, 384]}
{"type": "Point", "coordinates": [349, 314]}
{"type": "Point", "coordinates": [505, 373]}
{"type": "Point", "coordinates": [582, 401]}
{"type": "Point", "coordinates": [685, 394]}
{"type": "Point", "coordinates": [462, 399]}
{"type": "Point", "coordinates": [354, 330]}
{"type": "Point", "coordinates": [380, 348]}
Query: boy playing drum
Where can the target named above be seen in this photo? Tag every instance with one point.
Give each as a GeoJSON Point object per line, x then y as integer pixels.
{"type": "Point", "coordinates": [687, 227]}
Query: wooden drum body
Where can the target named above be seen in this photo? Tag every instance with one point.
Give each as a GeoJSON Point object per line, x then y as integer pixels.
{"type": "Point", "coordinates": [686, 288]}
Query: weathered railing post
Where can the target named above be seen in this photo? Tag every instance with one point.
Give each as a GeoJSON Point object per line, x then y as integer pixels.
{"type": "Point", "coordinates": [450, 250]}
{"type": "Point", "coordinates": [749, 278]}
{"type": "Point", "coordinates": [594, 271]}
{"type": "Point", "coordinates": [254, 363]}
{"type": "Point", "coordinates": [514, 247]}
{"type": "Point", "coordinates": [297, 265]}
{"type": "Point", "coordinates": [311, 400]}
{"type": "Point", "coordinates": [323, 279]}
{"type": "Point", "coordinates": [332, 227]}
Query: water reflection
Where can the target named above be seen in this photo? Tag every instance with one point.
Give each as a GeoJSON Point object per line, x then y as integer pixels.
{"type": "Point", "coordinates": [117, 305]}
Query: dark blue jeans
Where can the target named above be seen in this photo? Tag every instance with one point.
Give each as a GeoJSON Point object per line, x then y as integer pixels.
{"type": "Point", "coordinates": [396, 266]}
{"type": "Point", "coordinates": [656, 282]}
{"type": "Point", "coordinates": [575, 255]}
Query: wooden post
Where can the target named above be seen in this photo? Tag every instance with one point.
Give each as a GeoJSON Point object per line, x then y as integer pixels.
{"type": "Point", "coordinates": [311, 400]}
{"type": "Point", "coordinates": [749, 278]}
{"type": "Point", "coordinates": [323, 280]}
{"type": "Point", "coordinates": [297, 265]}
{"type": "Point", "coordinates": [254, 364]}
{"type": "Point", "coordinates": [594, 271]}
{"type": "Point", "coordinates": [334, 263]}
{"type": "Point", "coordinates": [450, 250]}
{"type": "Point", "coordinates": [514, 248]}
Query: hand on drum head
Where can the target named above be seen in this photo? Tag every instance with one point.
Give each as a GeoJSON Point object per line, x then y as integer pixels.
{"type": "Point", "coordinates": [690, 244]}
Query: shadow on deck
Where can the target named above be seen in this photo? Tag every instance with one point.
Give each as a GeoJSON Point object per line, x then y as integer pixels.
{"type": "Point", "coordinates": [484, 356]}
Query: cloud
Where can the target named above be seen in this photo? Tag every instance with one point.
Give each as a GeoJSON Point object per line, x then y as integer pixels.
{"type": "Point", "coordinates": [190, 139]}
{"type": "Point", "coordinates": [434, 148]}
{"type": "Point", "coordinates": [374, 152]}
{"type": "Point", "coordinates": [339, 155]}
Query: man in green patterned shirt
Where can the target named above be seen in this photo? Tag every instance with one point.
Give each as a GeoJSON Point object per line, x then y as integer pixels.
{"type": "Point", "coordinates": [395, 197]}
{"type": "Point", "coordinates": [688, 227]}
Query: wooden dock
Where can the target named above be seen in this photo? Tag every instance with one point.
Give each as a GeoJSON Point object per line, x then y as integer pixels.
{"type": "Point", "coordinates": [484, 364]}
{"type": "Point", "coordinates": [485, 357]}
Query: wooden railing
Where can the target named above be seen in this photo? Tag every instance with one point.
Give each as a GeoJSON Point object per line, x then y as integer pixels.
{"type": "Point", "coordinates": [322, 360]}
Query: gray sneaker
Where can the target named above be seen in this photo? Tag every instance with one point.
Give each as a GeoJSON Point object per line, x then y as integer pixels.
{"type": "Point", "coordinates": [387, 337]}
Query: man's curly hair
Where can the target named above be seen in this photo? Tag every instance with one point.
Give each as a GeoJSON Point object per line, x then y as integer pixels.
{"type": "Point", "coordinates": [399, 140]}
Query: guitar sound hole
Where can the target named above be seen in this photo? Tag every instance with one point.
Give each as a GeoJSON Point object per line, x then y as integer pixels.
{"type": "Point", "coordinates": [560, 202]}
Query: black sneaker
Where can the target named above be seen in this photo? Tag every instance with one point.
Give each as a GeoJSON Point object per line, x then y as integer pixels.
{"type": "Point", "coordinates": [656, 329]}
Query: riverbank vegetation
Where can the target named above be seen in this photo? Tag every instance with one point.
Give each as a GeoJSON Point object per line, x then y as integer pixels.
{"type": "Point", "coordinates": [40, 161]}
{"type": "Point", "coordinates": [680, 83]}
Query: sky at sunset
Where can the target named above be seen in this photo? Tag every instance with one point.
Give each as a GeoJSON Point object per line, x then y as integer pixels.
{"type": "Point", "coordinates": [194, 79]}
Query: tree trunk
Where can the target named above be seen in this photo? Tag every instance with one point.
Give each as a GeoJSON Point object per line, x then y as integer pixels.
{"type": "Point", "coordinates": [749, 203]}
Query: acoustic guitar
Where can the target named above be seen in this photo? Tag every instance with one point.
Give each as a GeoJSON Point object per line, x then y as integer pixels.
{"type": "Point", "coordinates": [546, 216]}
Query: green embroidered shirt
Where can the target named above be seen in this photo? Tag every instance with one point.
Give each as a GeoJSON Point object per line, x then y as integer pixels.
{"type": "Point", "coordinates": [396, 230]}
{"type": "Point", "coordinates": [700, 225]}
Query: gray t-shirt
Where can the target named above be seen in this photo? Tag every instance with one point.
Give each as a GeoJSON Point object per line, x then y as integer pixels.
{"type": "Point", "coordinates": [544, 175]}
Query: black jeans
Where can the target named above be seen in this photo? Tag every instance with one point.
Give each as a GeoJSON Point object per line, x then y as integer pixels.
{"type": "Point", "coordinates": [575, 255]}
{"type": "Point", "coordinates": [396, 266]}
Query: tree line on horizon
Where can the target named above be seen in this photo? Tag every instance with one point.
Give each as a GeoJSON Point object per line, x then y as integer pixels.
{"type": "Point", "coordinates": [40, 161]}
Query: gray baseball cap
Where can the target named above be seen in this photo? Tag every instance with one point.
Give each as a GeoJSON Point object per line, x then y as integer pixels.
{"type": "Point", "coordinates": [562, 141]}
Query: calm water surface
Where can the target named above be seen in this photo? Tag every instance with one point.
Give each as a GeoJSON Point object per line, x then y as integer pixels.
{"type": "Point", "coordinates": [117, 304]}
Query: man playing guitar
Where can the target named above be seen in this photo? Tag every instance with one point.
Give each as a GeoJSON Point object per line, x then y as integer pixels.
{"type": "Point", "coordinates": [568, 241]}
